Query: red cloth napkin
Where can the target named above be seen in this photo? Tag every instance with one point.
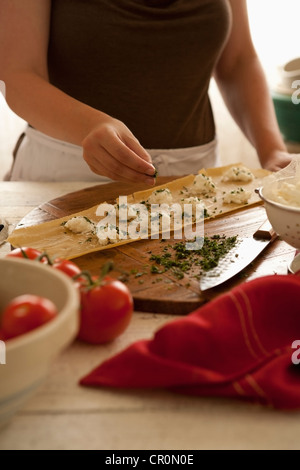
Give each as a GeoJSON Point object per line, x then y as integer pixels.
{"type": "Point", "coordinates": [238, 345]}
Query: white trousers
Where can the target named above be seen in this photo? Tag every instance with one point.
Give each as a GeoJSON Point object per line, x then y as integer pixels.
{"type": "Point", "coordinates": [42, 158]}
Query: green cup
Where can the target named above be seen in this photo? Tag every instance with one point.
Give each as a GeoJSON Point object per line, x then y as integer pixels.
{"type": "Point", "coordinates": [288, 116]}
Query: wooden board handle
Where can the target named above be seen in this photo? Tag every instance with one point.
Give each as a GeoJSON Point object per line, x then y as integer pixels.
{"type": "Point", "coordinates": [265, 231]}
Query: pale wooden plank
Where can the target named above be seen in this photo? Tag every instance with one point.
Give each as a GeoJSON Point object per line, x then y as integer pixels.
{"type": "Point", "coordinates": [17, 199]}
{"type": "Point", "coordinates": [61, 392]}
{"type": "Point", "coordinates": [33, 194]}
{"type": "Point", "coordinates": [200, 424]}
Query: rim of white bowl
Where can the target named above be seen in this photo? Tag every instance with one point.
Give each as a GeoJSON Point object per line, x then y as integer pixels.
{"type": "Point", "coordinates": [277, 204]}
{"type": "Point", "coordinates": [44, 330]}
{"type": "Point", "coordinates": [289, 67]}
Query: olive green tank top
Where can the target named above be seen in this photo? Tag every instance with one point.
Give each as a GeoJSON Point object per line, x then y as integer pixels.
{"type": "Point", "coordinates": [145, 62]}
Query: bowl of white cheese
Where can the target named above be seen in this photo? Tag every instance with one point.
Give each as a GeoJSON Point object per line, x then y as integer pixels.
{"type": "Point", "coordinates": [282, 202]}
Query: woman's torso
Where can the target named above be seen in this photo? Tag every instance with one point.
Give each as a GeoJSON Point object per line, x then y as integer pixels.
{"type": "Point", "coordinates": [145, 62]}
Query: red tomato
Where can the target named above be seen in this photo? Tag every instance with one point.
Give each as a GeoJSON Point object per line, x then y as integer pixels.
{"type": "Point", "coordinates": [106, 311]}
{"type": "Point", "coordinates": [2, 335]}
{"type": "Point", "coordinates": [26, 253]}
{"type": "Point", "coordinates": [68, 267]}
{"type": "Point", "coordinates": [25, 313]}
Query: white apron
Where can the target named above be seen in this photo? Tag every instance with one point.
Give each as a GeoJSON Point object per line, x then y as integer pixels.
{"type": "Point", "coordinates": [39, 157]}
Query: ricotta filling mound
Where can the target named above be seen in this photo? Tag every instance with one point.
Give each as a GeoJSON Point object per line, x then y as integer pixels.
{"type": "Point", "coordinates": [237, 196]}
{"type": "Point", "coordinates": [80, 225]}
{"type": "Point", "coordinates": [161, 196]}
{"type": "Point", "coordinates": [238, 173]}
{"type": "Point", "coordinates": [203, 185]}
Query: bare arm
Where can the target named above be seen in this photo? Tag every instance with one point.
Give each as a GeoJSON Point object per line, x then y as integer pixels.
{"type": "Point", "coordinates": [110, 149]}
{"type": "Point", "coordinates": [243, 85]}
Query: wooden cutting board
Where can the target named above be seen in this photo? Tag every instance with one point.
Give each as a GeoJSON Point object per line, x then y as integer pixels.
{"type": "Point", "coordinates": [162, 293]}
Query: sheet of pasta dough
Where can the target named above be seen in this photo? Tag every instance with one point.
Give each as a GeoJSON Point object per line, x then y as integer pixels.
{"type": "Point", "coordinates": [57, 241]}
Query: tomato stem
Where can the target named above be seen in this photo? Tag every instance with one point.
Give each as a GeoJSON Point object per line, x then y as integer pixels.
{"type": "Point", "coordinates": [45, 255]}
{"type": "Point", "coordinates": [91, 283]}
{"type": "Point", "coordinates": [24, 254]}
{"type": "Point", "coordinates": [86, 274]}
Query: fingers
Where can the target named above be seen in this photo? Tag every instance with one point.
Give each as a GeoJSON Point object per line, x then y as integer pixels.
{"type": "Point", "coordinates": [114, 152]}
{"type": "Point", "coordinates": [278, 160]}
{"type": "Point", "coordinates": [116, 147]}
{"type": "Point", "coordinates": [109, 167]}
{"type": "Point", "coordinates": [136, 147]}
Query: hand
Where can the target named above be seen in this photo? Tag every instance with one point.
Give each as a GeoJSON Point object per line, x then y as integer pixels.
{"type": "Point", "coordinates": [111, 150]}
{"type": "Point", "coordinates": [278, 160]}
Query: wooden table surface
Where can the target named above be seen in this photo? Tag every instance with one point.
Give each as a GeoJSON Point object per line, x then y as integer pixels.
{"type": "Point", "coordinates": [63, 415]}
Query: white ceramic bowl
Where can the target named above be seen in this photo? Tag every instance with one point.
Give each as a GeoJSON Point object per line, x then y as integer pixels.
{"type": "Point", "coordinates": [284, 219]}
{"type": "Point", "coordinates": [290, 72]}
{"type": "Point", "coordinates": [28, 357]}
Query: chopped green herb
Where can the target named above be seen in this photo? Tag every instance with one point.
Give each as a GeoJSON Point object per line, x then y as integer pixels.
{"type": "Point", "coordinates": [139, 274]}
{"type": "Point", "coordinates": [133, 271]}
{"type": "Point", "coordinates": [162, 190]}
{"type": "Point", "coordinates": [181, 260]}
{"type": "Point", "coordinates": [155, 270]}
{"type": "Point", "coordinates": [124, 277]}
